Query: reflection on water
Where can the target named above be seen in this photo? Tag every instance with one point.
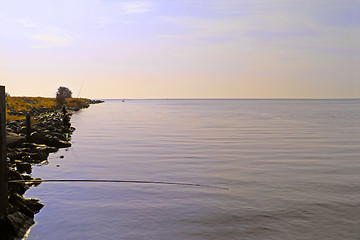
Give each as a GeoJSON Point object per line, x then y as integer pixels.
{"type": "Point", "coordinates": [291, 166]}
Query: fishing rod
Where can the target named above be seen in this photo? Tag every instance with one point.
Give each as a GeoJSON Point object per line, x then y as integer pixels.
{"type": "Point", "coordinates": [114, 181]}
{"type": "Point", "coordinates": [80, 88]}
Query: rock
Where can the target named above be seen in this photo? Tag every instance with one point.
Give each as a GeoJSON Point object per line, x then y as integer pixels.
{"type": "Point", "coordinates": [14, 175]}
{"type": "Point", "coordinates": [47, 149]}
{"type": "Point", "coordinates": [26, 177]}
{"type": "Point", "coordinates": [13, 139]}
{"type": "Point", "coordinates": [56, 142]}
{"type": "Point", "coordinates": [40, 155]}
{"type": "Point", "coordinates": [15, 226]}
{"type": "Point", "coordinates": [22, 130]}
{"type": "Point", "coordinates": [61, 136]}
{"type": "Point", "coordinates": [37, 137]}
{"type": "Point", "coordinates": [35, 205]}
{"type": "Point", "coordinates": [35, 147]}
{"type": "Point", "coordinates": [16, 187]}
{"type": "Point", "coordinates": [14, 155]}
{"type": "Point", "coordinates": [32, 204]}
{"type": "Point", "coordinates": [18, 202]}
{"type": "Point", "coordinates": [23, 167]}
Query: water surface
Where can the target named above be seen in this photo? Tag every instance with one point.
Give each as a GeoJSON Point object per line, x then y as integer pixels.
{"type": "Point", "coordinates": [292, 167]}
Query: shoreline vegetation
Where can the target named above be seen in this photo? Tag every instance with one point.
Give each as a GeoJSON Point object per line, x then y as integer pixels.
{"type": "Point", "coordinates": [35, 127]}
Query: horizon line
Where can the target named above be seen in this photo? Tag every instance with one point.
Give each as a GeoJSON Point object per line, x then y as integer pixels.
{"type": "Point", "coordinates": [351, 98]}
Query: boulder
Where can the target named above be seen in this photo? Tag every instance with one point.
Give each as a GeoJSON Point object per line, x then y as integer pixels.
{"type": "Point", "coordinates": [37, 137]}
{"type": "Point", "coordinates": [18, 201]}
{"type": "Point", "coordinates": [32, 204]}
{"type": "Point", "coordinates": [15, 225]}
{"type": "Point", "coordinates": [40, 155]}
{"type": "Point", "coordinates": [23, 167]}
{"type": "Point", "coordinates": [14, 140]}
{"type": "Point", "coordinates": [56, 142]}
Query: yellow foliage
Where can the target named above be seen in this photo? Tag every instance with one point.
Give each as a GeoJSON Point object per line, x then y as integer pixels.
{"type": "Point", "coordinates": [14, 117]}
{"type": "Point", "coordinates": [17, 106]}
{"type": "Point", "coordinates": [76, 102]}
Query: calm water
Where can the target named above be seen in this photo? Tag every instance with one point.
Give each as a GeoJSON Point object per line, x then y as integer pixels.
{"type": "Point", "coordinates": [292, 167]}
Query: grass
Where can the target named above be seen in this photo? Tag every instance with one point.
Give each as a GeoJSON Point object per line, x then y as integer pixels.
{"type": "Point", "coordinates": [76, 102]}
{"type": "Point", "coordinates": [17, 107]}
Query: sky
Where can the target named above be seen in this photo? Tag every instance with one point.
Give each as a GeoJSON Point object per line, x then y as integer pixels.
{"type": "Point", "coordinates": [181, 48]}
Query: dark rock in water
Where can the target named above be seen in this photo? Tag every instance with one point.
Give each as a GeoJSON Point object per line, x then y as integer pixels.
{"type": "Point", "coordinates": [14, 226]}
{"type": "Point", "coordinates": [40, 155]}
{"type": "Point", "coordinates": [23, 167]}
{"type": "Point", "coordinates": [32, 205]}
{"type": "Point", "coordinates": [96, 101]}
{"type": "Point", "coordinates": [35, 205]}
{"type": "Point", "coordinates": [56, 142]}
{"type": "Point", "coordinates": [16, 201]}
{"type": "Point", "coordinates": [16, 187]}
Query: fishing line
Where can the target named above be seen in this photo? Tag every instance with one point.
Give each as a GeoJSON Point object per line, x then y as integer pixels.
{"type": "Point", "coordinates": [80, 88]}
{"type": "Point", "coordinates": [114, 181]}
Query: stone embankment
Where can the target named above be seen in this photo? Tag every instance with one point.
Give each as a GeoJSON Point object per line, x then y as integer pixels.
{"type": "Point", "coordinates": [29, 142]}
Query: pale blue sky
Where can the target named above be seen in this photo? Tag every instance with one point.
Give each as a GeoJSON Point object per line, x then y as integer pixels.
{"type": "Point", "coordinates": [181, 48]}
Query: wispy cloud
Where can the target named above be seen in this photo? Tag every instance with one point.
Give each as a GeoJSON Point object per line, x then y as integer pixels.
{"type": "Point", "coordinates": [105, 21]}
{"type": "Point", "coordinates": [50, 41]}
{"type": "Point", "coordinates": [199, 28]}
{"type": "Point", "coordinates": [28, 23]}
{"type": "Point", "coordinates": [35, 34]}
{"type": "Point", "coordinates": [119, 12]}
{"type": "Point", "coordinates": [125, 7]}
{"type": "Point", "coordinates": [135, 7]}
{"type": "Point", "coordinates": [292, 26]}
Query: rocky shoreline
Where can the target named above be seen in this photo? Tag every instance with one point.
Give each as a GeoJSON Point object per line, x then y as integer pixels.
{"type": "Point", "coordinates": [29, 142]}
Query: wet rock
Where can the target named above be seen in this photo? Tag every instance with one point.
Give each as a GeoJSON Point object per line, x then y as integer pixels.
{"type": "Point", "coordinates": [34, 148]}
{"type": "Point", "coordinates": [22, 167]}
{"type": "Point", "coordinates": [61, 136]}
{"type": "Point", "coordinates": [31, 206]}
{"type": "Point", "coordinates": [56, 142]}
{"type": "Point", "coordinates": [17, 201]}
{"type": "Point", "coordinates": [16, 187]}
{"type": "Point", "coordinates": [15, 225]}
{"type": "Point", "coordinates": [40, 155]}
{"type": "Point", "coordinates": [35, 205]}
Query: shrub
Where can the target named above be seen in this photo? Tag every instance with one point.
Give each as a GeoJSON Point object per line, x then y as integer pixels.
{"type": "Point", "coordinates": [62, 94]}
{"type": "Point", "coordinates": [76, 102]}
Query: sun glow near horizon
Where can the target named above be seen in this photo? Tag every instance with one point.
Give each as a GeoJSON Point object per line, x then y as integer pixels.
{"type": "Point", "coordinates": [181, 49]}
